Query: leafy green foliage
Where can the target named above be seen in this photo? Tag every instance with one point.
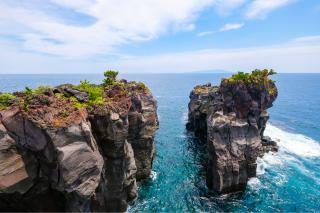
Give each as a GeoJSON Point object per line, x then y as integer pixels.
{"type": "Point", "coordinates": [5, 100]}
{"type": "Point", "coordinates": [28, 91]}
{"type": "Point", "coordinates": [110, 77]}
{"type": "Point", "coordinates": [38, 91]}
{"type": "Point", "coordinates": [94, 92]}
{"type": "Point", "coordinates": [42, 89]}
{"type": "Point", "coordinates": [256, 76]}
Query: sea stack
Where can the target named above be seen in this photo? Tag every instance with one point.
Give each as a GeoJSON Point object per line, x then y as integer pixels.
{"type": "Point", "coordinates": [231, 119]}
{"type": "Point", "coordinates": [76, 148]}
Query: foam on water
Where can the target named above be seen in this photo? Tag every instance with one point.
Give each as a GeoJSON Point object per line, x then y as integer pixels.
{"type": "Point", "coordinates": [153, 175]}
{"type": "Point", "coordinates": [297, 144]}
{"type": "Point", "coordinates": [254, 183]}
{"type": "Point", "coordinates": [184, 118]}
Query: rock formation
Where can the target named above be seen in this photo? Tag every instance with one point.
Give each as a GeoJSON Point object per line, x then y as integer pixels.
{"type": "Point", "coordinates": [75, 148]}
{"type": "Point", "coordinates": [231, 119]}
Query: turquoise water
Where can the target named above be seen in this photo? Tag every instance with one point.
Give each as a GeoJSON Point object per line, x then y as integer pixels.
{"type": "Point", "coordinates": [287, 181]}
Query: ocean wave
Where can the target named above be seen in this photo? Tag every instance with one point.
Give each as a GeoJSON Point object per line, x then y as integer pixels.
{"type": "Point", "coordinates": [254, 183]}
{"type": "Point", "coordinates": [297, 144]}
{"type": "Point", "coordinates": [292, 148]}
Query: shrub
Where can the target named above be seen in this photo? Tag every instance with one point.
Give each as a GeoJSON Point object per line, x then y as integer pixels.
{"type": "Point", "coordinates": [110, 77]}
{"type": "Point", "coordinates": [28, 91]}
{"type": "Point", "coordinates": [256, 76]}
{"type": "Point", "coordinates": [38, 91]}
{"type": "Point", "coordinates": [6, 99]}
{"type": "Point", "coordinates": [94, 92]}
{"type": "Point", "coordinates": [41, 89]}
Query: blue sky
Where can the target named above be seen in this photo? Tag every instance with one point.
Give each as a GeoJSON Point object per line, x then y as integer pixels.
{"type": "Point", "coordinates": [145, 36]}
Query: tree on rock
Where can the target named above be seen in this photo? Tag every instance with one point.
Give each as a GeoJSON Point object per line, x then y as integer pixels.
{"type": "Point", "coordinates": [110, 77]}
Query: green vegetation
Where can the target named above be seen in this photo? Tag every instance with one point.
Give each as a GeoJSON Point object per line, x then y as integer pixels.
{"type": "Point", "coordinates": [94, 93]}
{"type": "Point", "coordinates": [256, 76]}
{"type": "Point", "coordinates": [110, 77]}
{"type": "Point", "coordinates": [111, 90]}
{"type": "Point", "coordinates": [38, 91]}
{"type": "Point", "coordinates": [6, 99]}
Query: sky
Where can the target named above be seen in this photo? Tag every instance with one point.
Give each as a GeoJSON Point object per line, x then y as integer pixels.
{"type": "Point", "coordinates": [159, 36]}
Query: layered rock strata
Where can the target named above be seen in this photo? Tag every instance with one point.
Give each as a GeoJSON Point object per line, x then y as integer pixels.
{"type": "Point", "coordinates": [58, 153]}
{"type": "Point", "coordinates": [231, 119]}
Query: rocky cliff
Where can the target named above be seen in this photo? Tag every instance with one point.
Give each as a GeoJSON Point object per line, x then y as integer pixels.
{"type": "Point", "coordinates": [231, 119]}
{"type": "Point", "coordinates": [75, 148]}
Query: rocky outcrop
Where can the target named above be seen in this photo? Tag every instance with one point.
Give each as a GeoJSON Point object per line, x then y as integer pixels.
{"type": "Point", "coordinates": [59, 152]}
{"type": "Point", "coordinates": [232, 118]}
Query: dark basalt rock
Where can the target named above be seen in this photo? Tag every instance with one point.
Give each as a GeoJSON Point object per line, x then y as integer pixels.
{"type": "Point", "coordinates": [57, 157]}
{"type": "Point", "coordinates": [231, 119]}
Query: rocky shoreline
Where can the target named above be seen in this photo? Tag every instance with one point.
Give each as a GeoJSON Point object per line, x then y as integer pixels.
{"type": "Point", "coordinates": [231, 119]}
{"type": "Point", "coordinates": [76, 148]}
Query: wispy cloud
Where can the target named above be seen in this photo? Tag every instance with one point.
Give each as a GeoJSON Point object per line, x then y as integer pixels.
{"type": "Point", "coordinates": [297, 55]}
{"type": "Point", "coordinates": [292, 56]}
{"type": "Point", "coordinates": [116, 23]}
{"type": "Point", "coordinates": [225, 7]}
{"type": "Point", "coordinates": [205, 33]}
{"type": "Point", "coordinates": [261, 8]}
{"type": "Point", "coordinates": [228, 27]}
{"type": "Point", "coordinates": [307, 39]}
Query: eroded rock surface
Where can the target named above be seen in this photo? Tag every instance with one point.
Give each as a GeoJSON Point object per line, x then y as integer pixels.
{"type": "Point", "coordinates": [57, 155]}
{"type": "Point", "coordinates": [231, 119]}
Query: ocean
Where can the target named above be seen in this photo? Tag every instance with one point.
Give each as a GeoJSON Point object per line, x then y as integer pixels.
{"type": "Point", "coordinates": [287, 181]}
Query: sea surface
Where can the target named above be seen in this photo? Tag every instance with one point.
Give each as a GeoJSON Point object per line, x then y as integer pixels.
{"type": "Point", "coordinates": [287, 181]}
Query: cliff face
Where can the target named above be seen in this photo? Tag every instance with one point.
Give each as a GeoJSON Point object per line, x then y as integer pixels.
{"type": "Point", "coordinates": [60, 153]}
{"type": "Point", "coordinates": [232, 119]}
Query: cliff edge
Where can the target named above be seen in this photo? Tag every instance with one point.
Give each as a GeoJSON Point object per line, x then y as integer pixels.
{"type": "Point", "coordinates": [76, 147]}
{"type": "Point", "coordinates": [231, 119]}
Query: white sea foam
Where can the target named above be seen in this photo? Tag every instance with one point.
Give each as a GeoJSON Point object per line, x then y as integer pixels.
{"type": "Point", "coordinates": [254, 183]}
{"type": "Point", "coordinates": [268, 160]}
{"type": "Point", "coordinates": [291, 145]}
{"type": "Point", "coordinates": [297, 144]}
{"type": "Point", "coordinates": [154, 175]}
{"type": "Point", "coordinates": [184, 118]}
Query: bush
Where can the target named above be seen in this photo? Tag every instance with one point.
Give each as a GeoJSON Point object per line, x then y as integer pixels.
{"type": "Point", "coordinates": [42, 89]}
{"type": "Point", "coordinates": [94, 92]}
{"type": "Point", "coordinates": [38, 91]}
{"type": "Point", "coordinates": [110, 77]}
{"type": "Point", "coordinates": [256, 76]}
{"type": "Point", "coordinates": [6, 99]}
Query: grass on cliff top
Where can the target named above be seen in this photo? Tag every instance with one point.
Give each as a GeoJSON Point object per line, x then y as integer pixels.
{"type": "Point", "coordinates": [257, 77]}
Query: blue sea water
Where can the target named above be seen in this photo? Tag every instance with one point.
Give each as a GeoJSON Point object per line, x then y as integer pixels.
{"type": "Point", "coordinates": [287, 181]}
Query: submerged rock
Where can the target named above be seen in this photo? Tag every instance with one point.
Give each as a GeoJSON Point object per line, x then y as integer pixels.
{"type": "Point", "coordinates": [232, 118]}
{"type": "Point", "coordinates": [61, 152]}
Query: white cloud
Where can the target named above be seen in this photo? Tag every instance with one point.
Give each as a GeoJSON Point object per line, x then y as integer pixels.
{"type": "Point", "coordinates": [205, 33]}
{"type": "Point", "coordinates": [307, 39]}
{"type": "Point", "coordinates": [292, 56]}
{"type": "Point", "coordinates": [117, 23]}
{"type": "Point", "coordinates": [261, 8]}
{"type": "Point", "coordinates": [225, 7]}
{"type": "Point", "coordinates": [297, 55]}
{"type": "Point", "coordinates": [228, 27]}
